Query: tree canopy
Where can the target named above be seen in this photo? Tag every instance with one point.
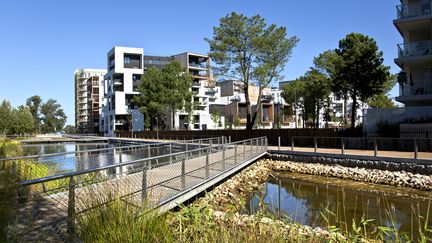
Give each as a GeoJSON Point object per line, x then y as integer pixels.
{"type": "Point", "coordinates": [52, 116]}
{"type": "Point", "coordinates": [247, 49]}
{"type": "Point", "coordinates": [162, 89]}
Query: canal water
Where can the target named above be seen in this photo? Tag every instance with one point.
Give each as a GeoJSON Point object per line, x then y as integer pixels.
{"type": "Point", "coordinates": [93, 159]}
{"type": "Point", "coordinates": [322, 202]}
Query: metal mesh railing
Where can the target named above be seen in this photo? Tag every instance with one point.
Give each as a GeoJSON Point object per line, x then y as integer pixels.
{"type": "Point", "coordinates": [410, 148]}
{"type": "Point", "coordinates": [54, 202]}
{"type": "Point", "coordinates": [38, 166]}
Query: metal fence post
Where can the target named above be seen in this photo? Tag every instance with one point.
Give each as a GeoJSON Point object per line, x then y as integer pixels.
{"type": "Point", "coordinates": [235, 153]}
{"type": "Point", "coordinates": [14, 168]}
{"type": "Point", "coordinates": [207, 164]}
{"type": "Point", "coordinates": [186, 154]}
{"type": "Point", "coordinates": [315, 145]}
{"type": "Point", "coordinates": [375, 148]}
{"type": "Point", "coordinates": [149, 151]}
{"type": "Point", "coordinates": [244, 150]}
{"type": "Point", "coordinates": [292, 143]}
{"type": "Point", "coordinates": [144, 184]}
{"type": "Point", "coordinates": [120, 161]}
{"type": "Point", "coordinates": [229, 139]}
{"type": "Point", "coordinates": [170, 152]}
{"type": "Point", "coordinates": [257, 145]}
{"type": "Point", "coordinates": [279, 144]}
{"type": "Point", "coordinates": [183, 174]}
{"type": "Point", "coordinates": [200, 142]}
{"type": "Point", "coordinates": [415, 149]}
{"type": "Point", "coordinates": [343, 146]}
{"type": "Point", "coordinates": [223, 158]}
{"type": "Point", "coordinates": [266, 143]}
{"type": "Point", "coordinates": [71, 209]}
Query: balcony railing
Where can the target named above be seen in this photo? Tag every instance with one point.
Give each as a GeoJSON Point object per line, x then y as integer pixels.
{"type": "Point", "coordinates": [418, 48]}
{"type": "Point", "coordinates": [420, 88]}
{"type": "Point", "coordinates": [413, 9]}
{"type": "Point", "coordinates": [198, 65]}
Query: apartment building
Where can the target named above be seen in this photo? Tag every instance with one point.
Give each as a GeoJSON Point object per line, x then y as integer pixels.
{"type": "Point", "coordinates": [415, 60]}
{"type": "Point", "coordinates": [415, 53]}
{"type": "Point", "coordinates": [88, 97]}
{"type": "Point", "coordinates": [119, 112]}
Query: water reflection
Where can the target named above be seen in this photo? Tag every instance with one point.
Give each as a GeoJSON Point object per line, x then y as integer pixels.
{"type": "Point", "coordinates": [322, 203]}
{"type": "Point", "coordinates": [95, 159]}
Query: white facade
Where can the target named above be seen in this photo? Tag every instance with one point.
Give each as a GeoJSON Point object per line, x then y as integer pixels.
{"type": "Point", "coordinates": [125, 67]}
{"type": "Point", "coordinates": [87, 99]}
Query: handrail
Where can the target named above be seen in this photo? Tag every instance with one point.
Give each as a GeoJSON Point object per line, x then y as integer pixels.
{"type": "Point", "coordinates": [77, 173]}
{"type": "Point", "coordinates": [377, 138]}
{"type": "Point", "coordinates": [102, 149]}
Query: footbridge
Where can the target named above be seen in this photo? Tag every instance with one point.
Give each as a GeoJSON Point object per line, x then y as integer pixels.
{"type": "Point", "coordinates": [158, 175]}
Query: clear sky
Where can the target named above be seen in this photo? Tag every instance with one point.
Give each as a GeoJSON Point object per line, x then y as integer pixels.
{"type": "Point", "coordinates": [43, 42]}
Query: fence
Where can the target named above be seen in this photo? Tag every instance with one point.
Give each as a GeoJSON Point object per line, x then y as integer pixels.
{"type": "Point", "coordinates": [385, 147]}
{"type": "Point", "coordinates": [236, 135]}
{"type": "Point", "coordinates": [55, 201]}
{"type": "Point", "coordinates": [56, 163]}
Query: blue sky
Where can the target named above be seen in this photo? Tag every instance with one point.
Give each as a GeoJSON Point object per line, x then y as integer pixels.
{"type": "Point", "coordinates": [43, 42]}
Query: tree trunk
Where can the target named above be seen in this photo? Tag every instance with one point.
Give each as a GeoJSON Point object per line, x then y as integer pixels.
{"type": "Point", "coordinates": [249, 124]}
{"type": "Point", "coordinates": [345, 116]}
{"type": "Point", "coordinates": [354, 110]}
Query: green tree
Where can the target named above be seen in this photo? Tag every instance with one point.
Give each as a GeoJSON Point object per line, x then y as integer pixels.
{"type": "Point", "coordinates": [215, 117]}
{"type": "Point", "coordinates": [165, 89]}
{"type": "Point", "coordinates": [53, 117]}
{"type": "Point", "coordinates": [294, 93]}
{"type": "Point", "coordinates": [34, 103]}
{"type": "Point", "coordinates": [24, 121]}
{"type": "Point", "coordinates": [6, 117]}
{"type": "Point", "coordinates": [361, 73]}
{"type": "Point", "coordinates": [70, 129]}
{"type": "Point", "coordinates": [246, 49]}
{"type": "Point", "coordinates": [383, 100]}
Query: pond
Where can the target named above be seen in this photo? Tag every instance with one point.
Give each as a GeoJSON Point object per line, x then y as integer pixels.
{"type": "Point", "coordinates": [322, 202]}
{"type": "Point", "coordinates": [59, 163]}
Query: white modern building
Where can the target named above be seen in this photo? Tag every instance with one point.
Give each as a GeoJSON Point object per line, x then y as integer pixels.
{"type": "Point", "coordinates": [125, 67]}
{"type": "Point", "coordinates": [88, 97]}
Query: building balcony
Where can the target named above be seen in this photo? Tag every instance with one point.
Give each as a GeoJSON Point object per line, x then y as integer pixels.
{"type": "Point", "coordinates": [417, 48]}
{"type": "Point", "coordinates": [418, 94]}
{"type": "Point", "coordinates": [198, 65]}
{"type": "Point", "coordinates": [413, 10]}
{"type": "Point", "coordinates": [414, 52]}
{"type": "Point", "coordinates": [196, 84]}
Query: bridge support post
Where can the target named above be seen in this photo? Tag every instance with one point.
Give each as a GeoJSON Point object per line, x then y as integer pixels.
{"type": "Point", "coordinates": [71, 209]}
{"type": "Point", "coordinates": [207, 164]}
{"type": "Point", "coordinates": [183, 174]}
{"type": "Point", "coordinates": [144, 184]}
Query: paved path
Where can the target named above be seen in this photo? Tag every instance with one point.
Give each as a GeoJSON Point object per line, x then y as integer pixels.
{"type": "Point", "coordinates": [381, 153]}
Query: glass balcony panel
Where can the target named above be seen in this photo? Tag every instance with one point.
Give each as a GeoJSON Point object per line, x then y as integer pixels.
{"type": "Point", "coordinates": [418, 48]}
{"type": "Point", "coordinates": [413, 9]}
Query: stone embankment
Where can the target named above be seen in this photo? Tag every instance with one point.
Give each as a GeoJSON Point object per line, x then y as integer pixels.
{"type": "Point", "coordinates": [424, 169]}
{"type": "Point", "coordinates": [227, 199]}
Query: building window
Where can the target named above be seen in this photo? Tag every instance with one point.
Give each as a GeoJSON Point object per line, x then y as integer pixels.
{"type": "Point", "coordinates": [127, 60]}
